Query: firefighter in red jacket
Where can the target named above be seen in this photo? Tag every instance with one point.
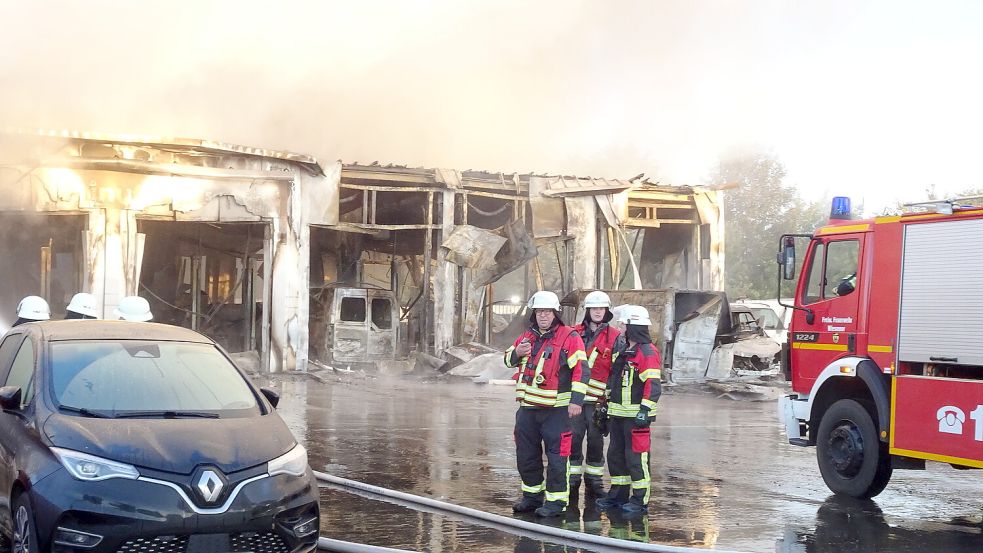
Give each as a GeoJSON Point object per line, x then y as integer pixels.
{"type": "Point", "coordinates": [599, 341]}
{"type": "Point", "coordinates": [633, 393]}
{"type": "Point", "coordinates": [551, 383]}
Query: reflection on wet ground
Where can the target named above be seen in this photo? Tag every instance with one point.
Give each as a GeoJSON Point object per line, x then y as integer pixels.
{"type": "Point", "coordinates": [723, 476]}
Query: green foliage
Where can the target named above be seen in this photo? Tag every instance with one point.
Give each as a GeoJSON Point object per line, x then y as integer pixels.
{"type": "Point", "coordinates": [757, 213]}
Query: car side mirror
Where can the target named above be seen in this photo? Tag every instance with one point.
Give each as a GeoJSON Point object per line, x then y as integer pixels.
{"type": "Point", "coordinates": [10, 398]}
{"type": "Point", "coordinates": [270, 395]}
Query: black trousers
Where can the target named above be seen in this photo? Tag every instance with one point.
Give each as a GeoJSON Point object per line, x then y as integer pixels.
{"type": "Point", "coordinates": [630, 477]}
{"type": "Point", "coordinates": [534, 429]}
{"type": "Point", "coordinates": [583, 426]}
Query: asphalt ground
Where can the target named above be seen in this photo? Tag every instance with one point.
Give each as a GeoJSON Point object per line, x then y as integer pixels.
{"type": "Point", "coordinates": [723, 476]}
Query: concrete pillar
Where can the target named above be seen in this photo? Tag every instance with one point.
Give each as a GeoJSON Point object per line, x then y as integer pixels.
{"type": "Point", "coordinates": [106, 242]}
{"type": "Point", "coordinates": [445, 282]}
{"type": "Point", "coordinates": [289, 310]}
{"type": "Point", "coordinates": [582, 220]}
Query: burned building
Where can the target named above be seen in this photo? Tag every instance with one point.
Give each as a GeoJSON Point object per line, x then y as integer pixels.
{"type": "Point", "coordinates": [215, 236]}
{"type": "Point", "coordinates": [282, 259]}
{"type": "Point", "coordinates": [458, 252]}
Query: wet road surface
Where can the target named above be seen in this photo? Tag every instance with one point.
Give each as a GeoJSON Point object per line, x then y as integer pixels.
{"type": "Point", "coordinates": [722, 475]}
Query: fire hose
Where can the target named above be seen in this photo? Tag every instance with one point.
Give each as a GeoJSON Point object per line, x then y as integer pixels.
{"type": "Point", "coordinates": [514, 526]}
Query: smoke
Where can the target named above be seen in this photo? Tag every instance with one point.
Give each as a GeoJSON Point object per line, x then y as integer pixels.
{"type": "Point", "coordinates": [573, 86]}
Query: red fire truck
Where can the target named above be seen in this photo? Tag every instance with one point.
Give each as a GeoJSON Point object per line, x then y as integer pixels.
{"type": "Point", "coordinates": [885, 349]}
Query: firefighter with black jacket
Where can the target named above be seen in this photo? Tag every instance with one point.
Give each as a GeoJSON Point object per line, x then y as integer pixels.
{"type": "Point", "coordinates": [551, 382]}
{"type": "Point", "coordinates": [599, 339]}
{"type": "Point", "coordinates": [633, 393]}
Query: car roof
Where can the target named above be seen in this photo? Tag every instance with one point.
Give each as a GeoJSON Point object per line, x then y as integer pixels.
{"type": "Point", "coordinates": [738, 308]}
{"type": "Point", "coordinates": [78, 329]}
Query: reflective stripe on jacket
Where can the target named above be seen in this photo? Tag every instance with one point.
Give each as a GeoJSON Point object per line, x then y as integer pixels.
{"type": "Point", "coordinates": [555, 374]}
{"type": "Point", "coordinates": [636, 380]}
{"type": "Point", "coordinates": [600, 352]}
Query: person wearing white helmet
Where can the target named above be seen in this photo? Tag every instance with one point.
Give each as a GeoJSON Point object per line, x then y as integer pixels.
{"type": "Point", "coordinates": [599, 339]}
{"type": "Point", "coordinates": [134, 308]}
{"type": "Point", "coordinates": [82, 306]}
{"type": "Point", "coordinates": [551, 382]}
{"type": "Point", "coordinates": [633, 394]}
{"type": "Point", "coordinates": [31, 309]}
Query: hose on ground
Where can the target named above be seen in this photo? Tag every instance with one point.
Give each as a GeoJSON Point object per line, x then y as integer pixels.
{"type": "Point", "coordinates": [558, 535]}
{"type": "Point", "coordinates": [338, 546]}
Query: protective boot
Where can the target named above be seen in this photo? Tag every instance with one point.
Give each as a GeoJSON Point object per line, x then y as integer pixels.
{"type": "Point", "coordinates": [551, 509]}
{"type": "Point", "coordinates": [595, 486]}
{"type": "Point", "coordinates": [528, 503]}
{"type": "Point", "coordinates": [615, 498]}
{"type": "Point", "coordinates": [634, 508]}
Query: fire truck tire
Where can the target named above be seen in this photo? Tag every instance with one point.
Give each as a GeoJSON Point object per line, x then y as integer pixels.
{"type": "Point", "coordinates": [852, 459]}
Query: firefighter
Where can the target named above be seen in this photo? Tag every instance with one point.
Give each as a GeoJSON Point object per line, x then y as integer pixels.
{"type": "Point", "coordinates": [32, 308]}
{"type": "Point", "coordinates": [82, 306]}
{"type": "Point", "coordinates": [633, 393]}
{"type": "Point", "coordinates": [551, 382]}
{"type": "Point", "coordinates": [599, 341]}
{"type": "Point", "coordinates": [134, 308]}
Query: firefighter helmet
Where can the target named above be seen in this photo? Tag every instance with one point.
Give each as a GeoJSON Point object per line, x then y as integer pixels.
{"type": "Point", "coordinates": [134, 308]}
{"type": "Point", "coordinates": [84, 304]}
{"type": "Point", "coordinates": [635, 315]}
{"type": "Point", "coordinates": [34, 308]}
{"type": "Point", "coordinates": [597, 298]}
{"type": "Point", "coordinates": [544, 300]}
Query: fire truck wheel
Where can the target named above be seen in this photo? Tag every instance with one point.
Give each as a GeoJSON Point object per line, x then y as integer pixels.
{"type": "Point", "coordinates": [852, 459]}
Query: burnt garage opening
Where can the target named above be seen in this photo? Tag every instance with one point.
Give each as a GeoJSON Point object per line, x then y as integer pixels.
{"type": "Point", "coordinates": [364, 288]}
{"type": "Point", "coordinates": [208, 277]}
{"type": "Point", "coordinates": [45, 257]}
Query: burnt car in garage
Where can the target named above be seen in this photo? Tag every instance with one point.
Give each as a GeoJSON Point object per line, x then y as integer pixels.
{"type": "Point", "coordinates": [119, 436]}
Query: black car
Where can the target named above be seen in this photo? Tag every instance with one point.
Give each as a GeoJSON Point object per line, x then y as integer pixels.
{"type": "Point", "coordinates": [119, 436]}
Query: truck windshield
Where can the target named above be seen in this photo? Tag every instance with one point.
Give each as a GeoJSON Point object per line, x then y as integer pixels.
{"type": "Point", "coordinates": [151, 379]}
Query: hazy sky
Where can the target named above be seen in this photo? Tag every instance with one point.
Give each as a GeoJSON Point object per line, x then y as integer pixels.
{"type": "Point", "coordinates": [876, 100]}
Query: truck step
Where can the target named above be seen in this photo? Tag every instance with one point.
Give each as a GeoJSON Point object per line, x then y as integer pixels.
{"type": "Point", "coordinates": [799, 441]}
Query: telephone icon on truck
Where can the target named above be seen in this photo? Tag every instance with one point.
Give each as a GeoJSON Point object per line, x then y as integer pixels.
{"type": "Point", "coordinates": [951, 419]}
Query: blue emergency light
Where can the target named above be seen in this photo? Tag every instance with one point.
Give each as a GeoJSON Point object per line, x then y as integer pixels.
{"type": "Point", "coordinates": [840, 208]}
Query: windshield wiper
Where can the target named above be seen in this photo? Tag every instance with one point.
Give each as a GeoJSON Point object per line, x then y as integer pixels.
{"type": "Point", "coordinates": [166, 414]}
{"type": "Point", "coordinates": [85, 412]}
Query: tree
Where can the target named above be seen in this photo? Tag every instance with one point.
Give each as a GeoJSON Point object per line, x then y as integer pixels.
{"type": "Point", "coordinates": [757, 213]}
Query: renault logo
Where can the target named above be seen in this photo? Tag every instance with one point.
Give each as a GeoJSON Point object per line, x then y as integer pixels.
{"type": "Point", "coordinates": [209, 485]}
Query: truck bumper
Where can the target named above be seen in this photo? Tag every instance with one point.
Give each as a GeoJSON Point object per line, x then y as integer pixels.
{"type": "Point", "coordinates": [793, 411]}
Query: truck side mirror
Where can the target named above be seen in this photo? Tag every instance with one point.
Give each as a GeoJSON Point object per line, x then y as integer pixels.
{"type": "Point", "coordinates": [787, 258]}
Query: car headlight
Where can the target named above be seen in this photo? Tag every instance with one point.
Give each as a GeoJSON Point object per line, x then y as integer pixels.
{"type": "Point", "coordinates": [91, 468]}
{"type": "Point", "coordinates": [293, 462]}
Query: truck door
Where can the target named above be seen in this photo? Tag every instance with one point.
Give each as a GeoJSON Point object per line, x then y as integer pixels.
{"type": "Point", "coordinates": [382, 324]}
{"type": "Point", "coordinates": [829, 290]}
{"type": "Point", "coordinates": [350, 325]}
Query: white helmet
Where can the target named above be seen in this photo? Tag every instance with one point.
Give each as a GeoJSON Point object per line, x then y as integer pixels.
{"type": "Point", "coordinates": [84, 304]}
{"type": "Point", "coordinates": [134, 308]}
{"type": "Point", "coordinates": [635, 315]}
{"type": "Point", "coordinates": [33, 308]}
{"type": "Point", "coordinates": [597, 298]}
{"type": "Point", "coordinates": [544, 300]}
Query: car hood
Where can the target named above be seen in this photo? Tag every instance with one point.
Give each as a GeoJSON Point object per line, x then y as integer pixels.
{"type": "Point", "coordinates": [174, 445]}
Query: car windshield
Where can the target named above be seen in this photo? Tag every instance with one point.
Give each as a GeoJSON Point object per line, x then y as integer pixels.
{"type": "Point", "coordinates": [768, 318]}
{"type": "Point", "coordinates": [147, 379]}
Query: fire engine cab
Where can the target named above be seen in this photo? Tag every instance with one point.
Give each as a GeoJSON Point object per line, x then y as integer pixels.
{"type": "Point", "coordinates": [885, 348]}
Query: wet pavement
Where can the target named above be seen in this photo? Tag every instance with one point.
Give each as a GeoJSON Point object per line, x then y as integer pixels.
{"type": "Point", "coordinates": [722, 475]}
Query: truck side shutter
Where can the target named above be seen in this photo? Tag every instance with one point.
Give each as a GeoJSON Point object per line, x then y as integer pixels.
{"type": "Point", "coordinates": [941, 317]}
